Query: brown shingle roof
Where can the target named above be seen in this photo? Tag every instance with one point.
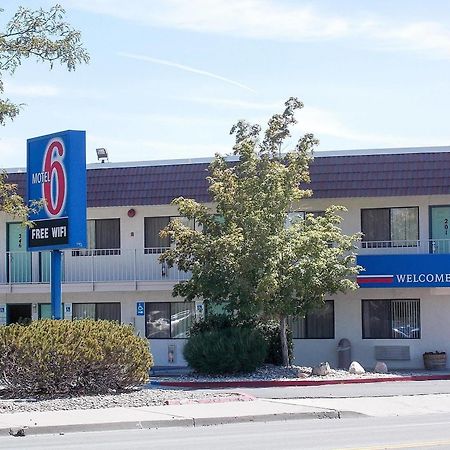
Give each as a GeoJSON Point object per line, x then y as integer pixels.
{"type": "Point", "coordinates": [331, 177]}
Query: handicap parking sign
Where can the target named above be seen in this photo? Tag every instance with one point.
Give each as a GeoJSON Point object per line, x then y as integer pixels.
{"type": "Point", "coordinates": [140, 308]}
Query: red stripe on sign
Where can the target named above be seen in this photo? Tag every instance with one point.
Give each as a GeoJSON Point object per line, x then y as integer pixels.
{"type": "Point", "coordinates": [366, 280]}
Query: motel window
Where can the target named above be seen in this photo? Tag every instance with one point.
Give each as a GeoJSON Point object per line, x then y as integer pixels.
{"type": "Point", "coordinates": [96, 311]}
{"type": "Point", "coordinates": [294, 216]}
{"type": "Point", "coordinates": [391, 319]}
{"type": "Point", "coordinates": [103, 238]}
{"type": "Point", "coordinates": [45, 310]}
{"type": "Point", "coordinates": [168, 320]}
{"type": "Point", "coordinates": [317, 324]}
{"type": "Point", "coordinates": [388, 227]}
{"type": "Point", "coordinates": [104, 235]}
{"type": "Point", "coordinates": [153, 242]}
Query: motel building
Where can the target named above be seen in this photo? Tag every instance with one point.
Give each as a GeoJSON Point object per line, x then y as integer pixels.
{"type": "Point", "coordinates": [399, 199]}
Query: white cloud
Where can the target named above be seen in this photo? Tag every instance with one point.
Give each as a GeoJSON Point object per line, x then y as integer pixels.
{"type": "Point", "coordinates": [265, 19]}
{"type": "Point", "coordinates": [326, 123]}
{"type": "Point", "coordinates": [430, 38]}
{"type": "Point", "coordinates": [277, 20]}
{"type": "Point", "coordinates": [232, 103]}
{"type": "Point", "coordinates": [185, 68]}
{"type": "Point", "coordinates": [31, 90]}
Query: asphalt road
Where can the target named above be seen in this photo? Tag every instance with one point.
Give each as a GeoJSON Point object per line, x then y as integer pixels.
{"type": "Point", "coordinates": [417, 432]}
{"type": "Point", "coordinates": [352, 390]}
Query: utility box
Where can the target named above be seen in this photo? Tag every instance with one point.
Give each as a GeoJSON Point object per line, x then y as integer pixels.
{"type": "Point", "coordinates": [344, 350]}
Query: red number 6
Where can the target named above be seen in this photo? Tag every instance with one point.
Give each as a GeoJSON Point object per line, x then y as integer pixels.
{"type": "Point", "coordinates": [54, 168]}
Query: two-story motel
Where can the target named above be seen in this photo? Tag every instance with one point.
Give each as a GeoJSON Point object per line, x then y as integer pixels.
{"type": "Point", "coordinates": [399, 199]}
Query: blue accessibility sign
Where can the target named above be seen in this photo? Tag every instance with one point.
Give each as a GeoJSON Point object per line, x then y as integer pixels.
{"type": "Point", "coordinates": [140, 308]}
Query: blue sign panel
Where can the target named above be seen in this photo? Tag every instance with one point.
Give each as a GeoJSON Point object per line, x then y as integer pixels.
{"type": "Point", "coordinates": [56, 168]}
{"type": "Point", "coordinates": [140, 308]}
{"type": "Point", "coordinates": [393, 271]}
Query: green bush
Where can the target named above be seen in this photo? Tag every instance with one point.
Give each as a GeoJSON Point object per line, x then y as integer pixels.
{"type": "Point", "coordinates": [60, 357]}
{"type": "Point", "coordinates": [226, 351]}
{"type": "Point", "coordinates": [270, 330]}
{"type": "Point", "coordinates": [214, 322]}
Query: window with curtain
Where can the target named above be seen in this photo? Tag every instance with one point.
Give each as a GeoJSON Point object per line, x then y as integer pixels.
{"type": "Point", "coordinates": [96, 311]}
{"type": "Point", "coordinates": [318, 324]}
{"type": "Point", "coordinates": [168, 320]}
{"type": "Point", "coordinates": [389, 227]}
{"type": "Point", "coordinates": [391, 319]}
{"type": "Point", "coordinates": [153, 242]}
{"type": "Point", "coordinates": [103, 238]}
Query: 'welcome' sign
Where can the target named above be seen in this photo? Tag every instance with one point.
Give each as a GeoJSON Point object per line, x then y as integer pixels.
{"type": "Point", "coordinates": [393, 271]}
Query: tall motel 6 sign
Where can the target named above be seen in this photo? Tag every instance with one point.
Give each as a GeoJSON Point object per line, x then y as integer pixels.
{"type": "Point", "coordinates": [56, 174]}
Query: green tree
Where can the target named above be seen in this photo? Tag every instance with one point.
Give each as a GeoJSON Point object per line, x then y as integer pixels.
{"type": "Point", "coordinates": [42, 35]}
{"type": "Point", "coordinates": [247, 256]}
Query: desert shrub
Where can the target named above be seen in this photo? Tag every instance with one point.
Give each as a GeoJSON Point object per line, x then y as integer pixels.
{"type": "Point", "coordinates": [270, 330]}
{"type": "Point", "coordinates": [226, 351]}
{"type": "Point", "coordinates": [60, 357]}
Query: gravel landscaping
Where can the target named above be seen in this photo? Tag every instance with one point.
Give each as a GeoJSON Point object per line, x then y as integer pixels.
{"type": "Point", "coordinates": [270, 373]}
{"type": "Point", "coordinates": [154, 397]}
{"type": "Point", "coordinates": [142, 397]}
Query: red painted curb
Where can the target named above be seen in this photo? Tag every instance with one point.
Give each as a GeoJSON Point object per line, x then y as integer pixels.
{"type": "Point", "coordinates": [281, 383]}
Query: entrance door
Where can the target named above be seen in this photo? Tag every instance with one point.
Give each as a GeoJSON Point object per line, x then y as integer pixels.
{"type": "Point", "coordinates": [440, 229]}
{"type": "Point", "coordinates": [19, 260]}
{"type": "Point", "coordinates": [19, 313]}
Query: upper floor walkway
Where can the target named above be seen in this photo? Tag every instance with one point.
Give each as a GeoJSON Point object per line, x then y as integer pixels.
{"type": "Point", "coordinates": [138, 268]}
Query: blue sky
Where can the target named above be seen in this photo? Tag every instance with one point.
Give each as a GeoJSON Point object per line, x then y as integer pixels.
{"type": "Point", "coordinates": [168, 78]}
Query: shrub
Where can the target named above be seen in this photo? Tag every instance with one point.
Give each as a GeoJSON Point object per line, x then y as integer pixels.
{"type": "Point", "coordinates": [213, 322]}
{"type": "Point", "coordinates": [270, 330]}
{"type": "Point", "coordinates": [226, 351]}
{"type": "Point", "coordinates": [60, 357]}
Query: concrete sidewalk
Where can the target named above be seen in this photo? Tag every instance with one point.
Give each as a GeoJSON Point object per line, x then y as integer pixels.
{"type": "Point", "coordinates": [201, 414]}
{"type": "Point", "coordinates": [182, 415]}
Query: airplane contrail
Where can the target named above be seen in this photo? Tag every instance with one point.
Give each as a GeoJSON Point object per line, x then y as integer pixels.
{"type": "Point", "coordinates": [185, 68]}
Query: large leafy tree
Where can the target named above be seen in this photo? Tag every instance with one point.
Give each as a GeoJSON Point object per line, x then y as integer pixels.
{"type": "Point", "coordinates": [248, 255]}
{"type": "Point", "coordinates": [46, 37]}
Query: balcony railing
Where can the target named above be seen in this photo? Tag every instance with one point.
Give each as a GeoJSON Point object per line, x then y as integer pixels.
{"type": "Point", "coordinates": [121, 265]}
{"type": "Point", "coordinates": [404, 247]}
{"type": "Point", "coordinates": [88, 266]}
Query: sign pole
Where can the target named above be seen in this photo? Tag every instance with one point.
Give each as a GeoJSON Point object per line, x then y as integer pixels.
{"type": "Point", "coordinates": [55, 284]}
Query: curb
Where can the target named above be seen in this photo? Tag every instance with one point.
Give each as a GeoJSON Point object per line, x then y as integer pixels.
{"type": "Point", "coordinates": [287, 383]}
{"type": "Point", "coordinates": [231, 398]}
{"type": "Point", "coordinates": [186, 423]}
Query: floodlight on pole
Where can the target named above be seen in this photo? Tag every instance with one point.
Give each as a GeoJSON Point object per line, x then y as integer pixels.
{"type": "Point", "coordinates": [102, 154]}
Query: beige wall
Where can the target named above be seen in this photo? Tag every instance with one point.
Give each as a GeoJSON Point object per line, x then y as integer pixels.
{"type": "Point", "coordinates": [435, 332]}
{"type": "Point", "coordinates": [434, 305]}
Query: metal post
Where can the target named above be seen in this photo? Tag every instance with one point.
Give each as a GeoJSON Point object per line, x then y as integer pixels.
{"type": "Point", "coordinates": [55, 284]}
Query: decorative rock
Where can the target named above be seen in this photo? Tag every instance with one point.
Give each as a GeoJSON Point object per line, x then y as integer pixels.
{"type": "Point", "coordinates": [301, 374]}
{"type": "Point", "coordinates": [356, 368]}
{"type": "Point", "coordinates": [380, 367]}
{"type": "Point", "coordinates": [322, 369]}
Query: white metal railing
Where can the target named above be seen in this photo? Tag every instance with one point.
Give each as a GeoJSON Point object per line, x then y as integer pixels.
{"type": "Point", "coordinates": [115, 265]}
{"type": "Point", "coordinates": [87, 266]}
{"type": "Point", "coordinates": [404, 247]}
{"type": "Point", "coordinates": [390, 247]}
